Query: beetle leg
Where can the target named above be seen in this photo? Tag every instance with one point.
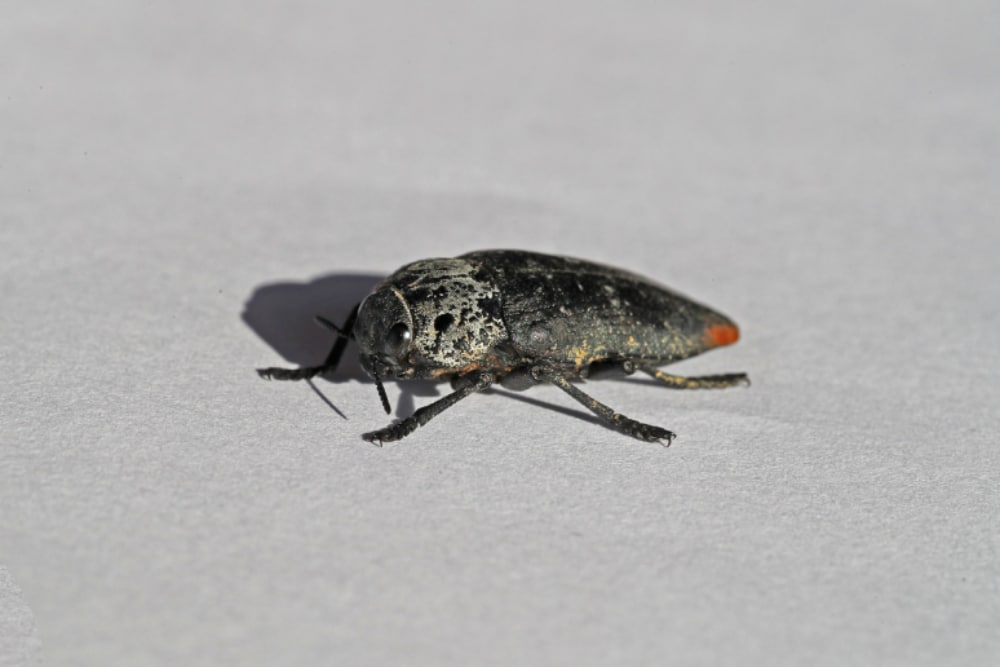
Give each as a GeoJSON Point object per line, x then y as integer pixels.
{"type": "Point", "coordinates": [616, 420]}
{"type": "Point", "coordinates": [697, 382]}
{"type": "Point", "coordinates": [343, 333]}
{"type": "Point", "coordinates": [401, 429]}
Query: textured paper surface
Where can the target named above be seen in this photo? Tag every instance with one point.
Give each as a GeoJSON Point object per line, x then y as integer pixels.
{"type": "Point", "coordinates": [182, 186]}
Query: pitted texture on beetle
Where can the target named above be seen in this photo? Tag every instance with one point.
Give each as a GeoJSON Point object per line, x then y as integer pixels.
{"type": "Point", "coordinates": [456, 310]}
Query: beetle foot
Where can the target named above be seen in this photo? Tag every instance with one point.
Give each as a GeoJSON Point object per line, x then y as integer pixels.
{"type": "Point", "coordinates": [699, 381]}
{"type": "Point", "coordinates": [278, 373]}
{"type": "Point", "coordinates": [658, 435]}
{"type": "Point", "coordinates": [640, 431]}
{"type": "Point", "coordinates": [393, 432]}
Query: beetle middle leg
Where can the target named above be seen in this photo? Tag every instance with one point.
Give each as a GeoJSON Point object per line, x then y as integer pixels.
{"type": "Point", "coordinates": [344, 333]}
{"type": "Point", "coordinates": [698, 381]}
{"type": "Point", "coordinates": [615, 420]}
{"type": "Point", "coordinates": [466, 386]}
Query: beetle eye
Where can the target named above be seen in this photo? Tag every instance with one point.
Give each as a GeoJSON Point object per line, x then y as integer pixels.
{"type": "Point", "coordinates": [397, 340]}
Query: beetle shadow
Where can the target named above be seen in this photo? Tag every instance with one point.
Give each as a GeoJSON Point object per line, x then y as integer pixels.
{"type": "Point", "coordinates": [283, 315]}
{"type": "Point", "coordinates": [571, 412]}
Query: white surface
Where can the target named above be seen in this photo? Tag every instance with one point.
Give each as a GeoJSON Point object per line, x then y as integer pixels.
{"type": "Point", "coordinates": [825, 173]}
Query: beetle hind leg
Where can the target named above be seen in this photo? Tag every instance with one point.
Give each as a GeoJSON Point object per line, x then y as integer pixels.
{"type": "Point", "coordinates": [615, 420]}
{"type": "Point", "coordinates": [699, 381]}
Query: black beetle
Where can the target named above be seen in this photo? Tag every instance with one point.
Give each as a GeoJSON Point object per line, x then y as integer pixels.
{"type": "Point", "coordinates": [521, 318]}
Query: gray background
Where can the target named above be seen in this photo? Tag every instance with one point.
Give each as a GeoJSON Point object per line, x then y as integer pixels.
{"type": "Point", "coordinates": [183, 184]}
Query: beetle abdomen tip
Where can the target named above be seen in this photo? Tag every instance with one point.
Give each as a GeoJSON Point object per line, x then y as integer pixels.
{"type": "Point", "coordinates": [717, 335]}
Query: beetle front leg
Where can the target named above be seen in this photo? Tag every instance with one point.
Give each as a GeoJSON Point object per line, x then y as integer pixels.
{"type": "Point", "coordinates": [615, 420]}
{"type": "Point", "coordinates": [343, 333]}
{"type": "Point", "coordinates": [697, 382]}
{"type": "Point", "coordinates": [401, 429]}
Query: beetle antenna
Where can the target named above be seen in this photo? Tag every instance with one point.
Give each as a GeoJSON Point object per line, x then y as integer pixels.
{"type": "Point", "coordinates": [378, 385]}
{"type": "Point", "coordinates": [322, 321]}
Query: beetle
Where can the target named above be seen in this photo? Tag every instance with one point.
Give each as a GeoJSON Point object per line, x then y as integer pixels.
{"type": "Point", "coordinates": [521, 318]}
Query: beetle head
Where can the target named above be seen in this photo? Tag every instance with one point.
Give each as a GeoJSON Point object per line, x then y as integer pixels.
{"type": "Point", "coordinates": [384, 333]}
